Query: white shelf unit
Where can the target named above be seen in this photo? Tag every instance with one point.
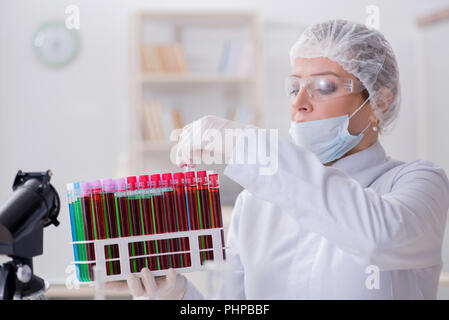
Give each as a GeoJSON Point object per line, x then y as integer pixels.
{"type": "Point", "coordinates": [251, 83]}
{"type": "Point", "coordinates": [199, 78]}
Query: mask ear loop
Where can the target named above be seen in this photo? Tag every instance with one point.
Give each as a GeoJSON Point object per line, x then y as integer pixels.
{"type": "Point", "coordinates": [357, 110]}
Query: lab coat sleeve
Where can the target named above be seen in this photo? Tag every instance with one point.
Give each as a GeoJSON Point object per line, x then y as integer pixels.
{"type": "Point", "coordinates": [232, 285]}
{"type": "Point", "coordinates": [192, 293]}
{"type": "Point", "coordinates": [401, 229]}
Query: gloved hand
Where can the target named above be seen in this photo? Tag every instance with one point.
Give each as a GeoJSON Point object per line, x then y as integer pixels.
{"type": "Point", "coordinates": [207, 134]}
{"type": "Point", "coordinates": [170, 287]}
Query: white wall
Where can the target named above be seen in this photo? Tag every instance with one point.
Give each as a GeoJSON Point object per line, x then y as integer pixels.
{"type": "Point", "coordinates": [74, 120]}
{"type": "Point", "coordinates": [67, 120]}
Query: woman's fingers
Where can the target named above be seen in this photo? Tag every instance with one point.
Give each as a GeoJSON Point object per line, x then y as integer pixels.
{"type": "Point", "coordinates": [205, 137]}
{"type": "Point", "coordinates": [171, 277]}
{"type": "Point", "coordinates": [135, 286]}
{"type": "Point", "coordinates": [149, 282]}
{"type": "Point", "coordinates": [185, 165]}
{"type": "Point", "coordinates": [187, 156]}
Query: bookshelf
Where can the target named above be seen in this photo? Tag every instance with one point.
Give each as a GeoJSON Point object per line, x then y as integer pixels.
{"type": "Point", "coordinates": [181, 61]}
{"type": "Point", "coordinates": [194, 78]}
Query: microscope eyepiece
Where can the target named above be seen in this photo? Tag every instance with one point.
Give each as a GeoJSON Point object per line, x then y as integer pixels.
{"type": "Point", "coordinates": [33, 205]}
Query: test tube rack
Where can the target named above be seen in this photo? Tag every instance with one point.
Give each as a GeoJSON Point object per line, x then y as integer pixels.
{"type": "Point", "coordinates": [157, 243]}
{"type": "Point", "coordinates": [125, 257]}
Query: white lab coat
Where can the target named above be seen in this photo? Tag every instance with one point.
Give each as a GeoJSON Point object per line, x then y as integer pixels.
{"type": "Point", "coordinates": [316, 232]}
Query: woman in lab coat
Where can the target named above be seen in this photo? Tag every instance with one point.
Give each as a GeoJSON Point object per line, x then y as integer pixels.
{"type": "Point", "coordinates": [338, 219]}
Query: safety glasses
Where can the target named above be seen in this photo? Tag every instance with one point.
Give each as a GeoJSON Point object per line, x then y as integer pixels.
{"type": "Point", "coordinates": [322, 87]}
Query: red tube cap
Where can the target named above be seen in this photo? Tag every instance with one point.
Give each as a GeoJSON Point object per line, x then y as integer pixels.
{"type": "Point", "coordinates": [155, 180]}
{"type": "Point", "coordinates": [178, 175]}
{"type": "Point", "coordinates": [131, 181]}
{"type": "Point", "coordinates": [178, 178]}
{"type": "Point", "coordinates": [143, 181]}
{"type": "Point", "coordinates": [213, 178]}
{"type": "Point", "coordinates": [166, 176]}
{"type": "Point", "coordinates": [201, 174]}
{"type": "Point", "coordinates": [190, 174]}
{"type": "Point", "coordinates": [167, 179]}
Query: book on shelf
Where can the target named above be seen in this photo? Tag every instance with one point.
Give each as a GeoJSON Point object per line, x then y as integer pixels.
{"type": "Point", "coordinates": [163, 58]}
{"type": "Point", "coordinates": [151, 124]}
{"type": "Point", "coordinates": [237, 57]}
{"type": "Point", "coordinates": [158, 122]}
{"type": "Point", "coordinates": [177, 119]}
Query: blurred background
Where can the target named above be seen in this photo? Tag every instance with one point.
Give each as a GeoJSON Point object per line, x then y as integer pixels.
{"type": "Point", "coordinates": [101, 95]}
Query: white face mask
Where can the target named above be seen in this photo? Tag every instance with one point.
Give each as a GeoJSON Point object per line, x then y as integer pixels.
{"type": "Point", "coordinates": [329, 139]}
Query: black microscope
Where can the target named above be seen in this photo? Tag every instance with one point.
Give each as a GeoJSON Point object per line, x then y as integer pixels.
{"type": "Point", "coordinates": [33, 206]}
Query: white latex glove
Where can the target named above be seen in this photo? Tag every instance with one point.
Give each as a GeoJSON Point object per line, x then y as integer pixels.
{"type": "Point", "coordinates": [170, 287]}
{"type": "Point", "coordinates": [207, 134]}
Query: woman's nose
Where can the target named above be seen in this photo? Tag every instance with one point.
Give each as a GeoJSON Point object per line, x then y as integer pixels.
{"type": "Point", "coordinates": [302, 101]}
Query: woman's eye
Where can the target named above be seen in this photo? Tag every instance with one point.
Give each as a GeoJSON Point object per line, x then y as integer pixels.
{"type": "Point", "coordinates": [326, 87]}
{"type": "Point", "coordinates": [294, 92]}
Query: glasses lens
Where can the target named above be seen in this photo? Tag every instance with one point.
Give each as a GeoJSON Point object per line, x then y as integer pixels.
{"type": "Point", "coordinates": [320, 87]}
{"type": "Point", "coordinates": [328, 87]}
{"type": "Point", "coordinates": [324, 88]}
{"type": "Point", "coordinates": [292, 87]}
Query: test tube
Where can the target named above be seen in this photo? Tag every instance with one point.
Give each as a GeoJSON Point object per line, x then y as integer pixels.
{"type": "Point", "coordinates": [192, 202]}
{"type": "Point", "coordinates": [79, 229]}
{"type": "Point", "coordinates": [145, 213]}
{"type": "Point", "coordinates": [136, 225]}
{"type": "Point", "coordinates": [101, 220]}
{"type": "Point", "coordinates": [99, 210]}
{"type": "Point", "coordinates": [193, 205]}
{"type": "Point", "coordinates": [205, 211]}
{"type": "Point", "coordinates": [214, 192]}
{"type": "Point", "coordinates": [121, 206]}
{"type": "Point", "coordinates": [125, 220]}
{"type": "Point", "coordinates": [89, 224]}
{"type": "Point", "coordinates": [73, 225]}
{"type": "Point", "coordinates": [148, 221]}
{"type": "Point", "coordinates": [182, 214]}
{"type": "Point", "coordinates": [109, 189]}
{"type": "Point", "coordinates": [170, 216]}
{"type": "Point", "coordinates": [157, 203]}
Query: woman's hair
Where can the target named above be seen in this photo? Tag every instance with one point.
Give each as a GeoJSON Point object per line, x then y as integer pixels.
{"type": "Point", "coordinates": [361, 51]}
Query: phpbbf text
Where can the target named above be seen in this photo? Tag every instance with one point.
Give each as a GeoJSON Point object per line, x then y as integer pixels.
{"type": "Point", "coordinates": [225, 309]}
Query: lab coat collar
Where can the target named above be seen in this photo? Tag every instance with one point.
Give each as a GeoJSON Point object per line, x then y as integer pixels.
{"type": "Point", "coordinates": [358, 163]}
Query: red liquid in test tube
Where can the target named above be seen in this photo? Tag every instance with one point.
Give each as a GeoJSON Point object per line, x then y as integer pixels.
{"type": "Point", "coordinates": [159, 216]}
{"type": "Point", "coordinates": [123, 208]}
{"type": "Point", "coordinates": [89, 226]}
{"type": "Point", "coordinates": [170, 215]}
{"type": "Point", "coordinates": [124, 212]}
{"type": "Point", "coordinates": [109, 189]}
{"type": "Point", "coordinates": [122, 205]}
{"type": "Point", "coordinates": [214, 191]}
{"type": "Point", "coordinates": [97, 197]}
{"type": "Point", "coordinates": [194, 209]}
{"type": "Point", "coordinates": [203, 193]}
{"type": "Point", "coordinates": [148, 227]}
{"type": "Point", "coordinates": [136, 227]}
{"type": "Point", "coordinates": [182, 214]}
{"type": "Point", "coordinates": [192, 200]}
